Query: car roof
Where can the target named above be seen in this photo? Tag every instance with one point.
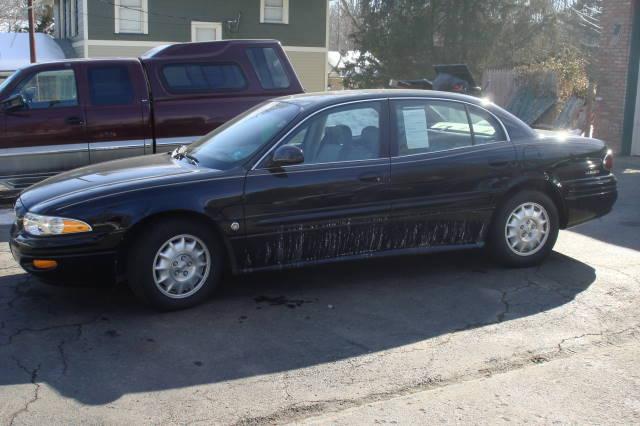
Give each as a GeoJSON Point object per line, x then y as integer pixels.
{"type": "Point", "coordinates": [321, 99]}
{"type": "Point", "coordinates": [310, 102]}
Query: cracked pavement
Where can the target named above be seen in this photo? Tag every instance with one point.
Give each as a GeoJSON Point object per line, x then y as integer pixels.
{"type": "Point", "coordinates": [446, 338]}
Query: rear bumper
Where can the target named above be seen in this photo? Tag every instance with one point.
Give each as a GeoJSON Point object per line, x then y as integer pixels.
{"type": "Point", "coordinates": [589, 198]}
{"type": "Point", "coordinates": [81, 260]}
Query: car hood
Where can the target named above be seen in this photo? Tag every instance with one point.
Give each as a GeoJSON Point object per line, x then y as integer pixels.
{"type": "Point", "coordinates": [110, 177]}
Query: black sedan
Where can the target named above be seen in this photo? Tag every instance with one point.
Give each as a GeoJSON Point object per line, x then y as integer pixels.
{"type": "Point", "coordinates": [310, 179]}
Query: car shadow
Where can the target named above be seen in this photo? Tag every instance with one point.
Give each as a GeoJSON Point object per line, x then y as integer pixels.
{"type": "Point", "coordinates": [95, 345]}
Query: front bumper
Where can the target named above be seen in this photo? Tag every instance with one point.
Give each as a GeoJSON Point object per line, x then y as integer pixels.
{"type": "Point", "coordinates": [82, 259]}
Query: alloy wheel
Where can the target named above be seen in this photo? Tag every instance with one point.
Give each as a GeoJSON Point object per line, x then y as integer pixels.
{"type": "Point", "coordinates": [527, 229]}
{"type": "Point", "coordinates": [181, 266]}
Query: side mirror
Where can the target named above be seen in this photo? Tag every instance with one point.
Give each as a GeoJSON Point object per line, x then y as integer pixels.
{"type": "Point", "coordinates": [287, 155]}
{"type": "Point", "coordinates": [14, 103]}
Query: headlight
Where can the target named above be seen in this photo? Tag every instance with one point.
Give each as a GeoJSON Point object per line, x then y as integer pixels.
{"type": "Point", "coordinates": [36, 224]}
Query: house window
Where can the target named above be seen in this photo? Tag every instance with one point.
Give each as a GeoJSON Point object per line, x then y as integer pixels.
{"type": "Point", "coordinates": [131, 16]}
{"type": "Point", "coordinates": [274, 11]}
{"type": "Point", "coordinates": [206, 31]}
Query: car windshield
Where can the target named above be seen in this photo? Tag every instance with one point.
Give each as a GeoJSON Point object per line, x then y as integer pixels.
{"type": "Point", "coordinates": [236, 141]}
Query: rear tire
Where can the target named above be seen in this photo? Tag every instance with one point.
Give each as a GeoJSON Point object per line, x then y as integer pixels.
{"type": "Point", "coordinates": [524, 229]}
{"type": "Point", "coordinates": [174, 264]}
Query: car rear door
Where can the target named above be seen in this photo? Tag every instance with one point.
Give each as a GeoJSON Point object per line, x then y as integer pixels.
{"type": "Point", "coordinates": [449, 162]}
{"type": "Point", "coordinates": [48, 135]}
{"type": "Point", "coordinates": [335, 204]}
{"type": "Point", "coordinates": [117, 110]}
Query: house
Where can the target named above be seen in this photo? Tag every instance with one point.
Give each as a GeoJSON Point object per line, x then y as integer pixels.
{"type": "Point", "coordinates": [618, 110]}
{"type": "Point", "coordinates": [107, 28]}
{"type": "Point", "coordinates": [14, 51]}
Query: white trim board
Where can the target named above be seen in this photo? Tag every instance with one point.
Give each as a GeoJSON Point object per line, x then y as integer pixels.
{"type": "Point", "coordinates": [85, 28]}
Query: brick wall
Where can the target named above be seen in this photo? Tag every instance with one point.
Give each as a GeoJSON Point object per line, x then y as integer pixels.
{"type": "Point", "coordinates": [613, 66]}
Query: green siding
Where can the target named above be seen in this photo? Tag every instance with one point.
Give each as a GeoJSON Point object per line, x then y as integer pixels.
{"type": "Point", "coordinates": [170, 20]}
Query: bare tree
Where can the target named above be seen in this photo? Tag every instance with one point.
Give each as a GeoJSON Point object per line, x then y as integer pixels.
{"type": "Point", "coordinates": [13, 16]}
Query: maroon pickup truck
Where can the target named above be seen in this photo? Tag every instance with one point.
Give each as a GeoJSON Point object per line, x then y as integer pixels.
{"type": "Point", "coordinates": [58, 116]}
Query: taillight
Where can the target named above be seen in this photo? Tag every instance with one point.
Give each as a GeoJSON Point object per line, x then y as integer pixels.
{"type": "Point", "coordinates": [607, 162]}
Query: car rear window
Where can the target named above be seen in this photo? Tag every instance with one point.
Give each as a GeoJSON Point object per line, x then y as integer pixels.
{"type": "Point", "coordinates": [268, 67]}
{"type": "Point", "coordinates": [190, 78]}
{"type": "Point", "coordinates": [110, 85]}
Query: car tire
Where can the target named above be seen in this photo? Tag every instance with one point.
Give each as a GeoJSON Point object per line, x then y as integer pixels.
{"type": "Point", "coordinates": [174, 264]}
{"type": "Point", "coordinates": [524, 229]}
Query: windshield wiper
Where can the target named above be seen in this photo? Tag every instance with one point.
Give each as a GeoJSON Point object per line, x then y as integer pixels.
{"type": "Point", "coordinates": [180, 153]}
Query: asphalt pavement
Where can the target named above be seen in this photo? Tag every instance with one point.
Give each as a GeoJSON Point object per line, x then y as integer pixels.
{"type": "Point", "coordinates": [448, 338]}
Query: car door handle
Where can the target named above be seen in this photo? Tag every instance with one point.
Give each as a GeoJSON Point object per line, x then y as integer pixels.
{"type": "Point", "coordinates": [74, 121]}
{"type": "Point", "coordinates": [371, 177]}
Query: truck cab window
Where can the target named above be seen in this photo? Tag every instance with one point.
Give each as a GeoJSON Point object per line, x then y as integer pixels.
{"type": "Point", "coordinates": [110, 85]}
{"type": "Point", "coordinates": [49, 89]}
{"type": "Point", "coordinates": [268, 67]}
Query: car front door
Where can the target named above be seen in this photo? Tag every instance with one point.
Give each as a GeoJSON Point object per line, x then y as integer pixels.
{"type": "Point", "coordinates": [333, 205]}
{"type": "Point", "coordinates": [47, 135]}
{"type": "Point", "coordinates": [449, 161]}
{"type": "Point", "coordinates": [117, 110]}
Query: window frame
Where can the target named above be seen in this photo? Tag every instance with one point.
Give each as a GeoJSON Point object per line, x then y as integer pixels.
{"type": "Point", "coordinates": [261, 164]}
{"type": "Point", "coordinates": [217, 26]}
{"type": "Point", "coordinates": [168, 88]}
{"type": "Point", "coordinates": [285, 13]}
{"type": "Point", "coordinates": [393, 125]}
{"type": "Point", "coordinates": [29, 76]}
{"type": "Point", "coordinates": [145, 17]}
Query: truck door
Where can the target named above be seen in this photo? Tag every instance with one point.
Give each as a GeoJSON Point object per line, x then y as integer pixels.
{"type": "Point", "coordinates": [117, 110]}
{"type": "Point", "coordinates": [47, 135]}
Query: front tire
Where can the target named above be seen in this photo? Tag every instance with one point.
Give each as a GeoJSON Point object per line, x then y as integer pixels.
{"type": "Point", "coordinates": [524, 230]}
{"type": "Point", "coordinates": [174, 264]}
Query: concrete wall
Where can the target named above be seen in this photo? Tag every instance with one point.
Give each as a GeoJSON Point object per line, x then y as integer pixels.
{"type": "Point", "coordinates": [613, 68]}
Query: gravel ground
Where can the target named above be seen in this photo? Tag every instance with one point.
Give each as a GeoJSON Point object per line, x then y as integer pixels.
{"type": "Point", "coordinates": [442, 338]}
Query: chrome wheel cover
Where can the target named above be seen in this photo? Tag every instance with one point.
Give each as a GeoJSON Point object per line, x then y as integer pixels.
{"type": "Point", "coordinates": [181, 266]}
{"type": "Point", "coordinates": [527, 229]}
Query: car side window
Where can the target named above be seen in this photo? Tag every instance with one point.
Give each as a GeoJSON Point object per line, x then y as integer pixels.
{"type": "Point", "coordinates": [268, 67]}
{"type": "Point", "coordinates": [347, 133]}
{"type": "Point", "coordinates": [486, 128]}
{"type": "Point", "coordinates": [49, 89]}
{"type": "Point", "coordinates": [110, 85]}
{"type": "Point", "coordinates": [203, 77]}
{"type": "Point", "coordinates": [429, 126]}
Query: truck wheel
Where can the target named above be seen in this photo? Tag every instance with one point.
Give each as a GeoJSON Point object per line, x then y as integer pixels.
{"type": "Point", "coordinates": [174, 264]}
{"type": "Point", "coordinates": [524, 229]}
